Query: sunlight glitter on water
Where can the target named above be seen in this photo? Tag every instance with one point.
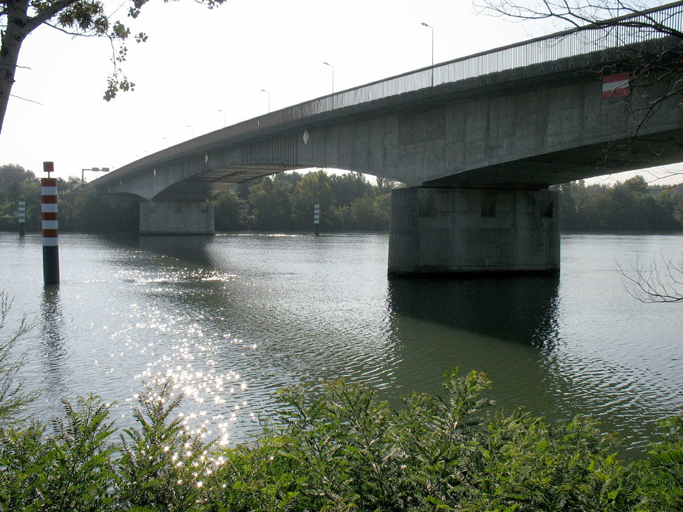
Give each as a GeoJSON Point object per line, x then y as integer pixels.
{"type": "Point", "coordinates": [214, 399]}
{"type": "Point", "coordinates": [234, 319]}
{"type": "Point", "coordinates": [166, 342]}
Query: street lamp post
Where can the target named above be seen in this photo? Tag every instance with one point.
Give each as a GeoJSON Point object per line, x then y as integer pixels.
{"type": "Point", "coordinates": [328, 64]}
{"type": "Point", "coordinates": [191, 128]}
{"type": "Point", "coordinates": [268, 93]}
{"type": "Point", "coordinates": [93, 169]}
{"type": "Point", "coordinates": [432, 29]}
{"type": "Point", "coordinates": [431, 72]}
{"type": "Point", "coordinates": [223, 116]}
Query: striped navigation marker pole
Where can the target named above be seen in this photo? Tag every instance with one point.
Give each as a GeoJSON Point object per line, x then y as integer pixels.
{"type": "Point", "coordinates": [48, 191]}
{"type": "Point", "coordinates": [316, 218]}
{"type": "Point", "coordinates": [22, 217]}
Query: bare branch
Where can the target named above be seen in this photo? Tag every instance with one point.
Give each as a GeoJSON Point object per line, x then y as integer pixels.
{"type": "Point", "coordinates": [651, 284]}
{"type": "Point", "coordinates": [25, 99]}
{"type": "Point", "coordinates": [71, 33]}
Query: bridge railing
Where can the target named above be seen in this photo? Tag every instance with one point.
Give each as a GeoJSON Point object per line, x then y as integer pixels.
{"type": "Point", "coordinates": [611, 34]}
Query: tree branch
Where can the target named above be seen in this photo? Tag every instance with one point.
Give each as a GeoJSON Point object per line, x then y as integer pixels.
{"type": "Point", "coordinates": [25, 99]}
{"type": "Point", "coordinates": [69, 33]}
{"type": "Point", "coordinates": [650, 284]}
{"type": "Point", "coordinates": [49, 11]}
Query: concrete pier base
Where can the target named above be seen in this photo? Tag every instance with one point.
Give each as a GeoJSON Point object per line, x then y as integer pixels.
{"type": "Point", "coordinates": [460, 230]}
{"type": "Point", "coordinates": [160, 218]}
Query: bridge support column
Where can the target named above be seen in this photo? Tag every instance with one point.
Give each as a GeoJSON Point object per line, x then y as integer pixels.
{"type": "Point", "coordinates": [460, 230]}
{"type": "Point", "coordinates": [160, 218]}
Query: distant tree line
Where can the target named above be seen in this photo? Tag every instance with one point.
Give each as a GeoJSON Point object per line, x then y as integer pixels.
{"type": "Point", "coordinates": [280, 203]}
{"type": "Point", "coordinates": [80, 208]}
{"type": "Point", "coordinates": [285, 202]}
{"type": "Point", "coordinates": [348, 202]}
{"type": "Point", "coordinates": [629, 206]}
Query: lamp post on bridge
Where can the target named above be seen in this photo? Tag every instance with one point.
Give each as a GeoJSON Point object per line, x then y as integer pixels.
{"type": "Point", "coordinates": [93, 169]}
{"type": "Point", "coordinates": [432, 70]}
{"type": "Point", "coordinates": [330, 65]}
{"type": "Point", "coordinates": [224, 121]}
{"type": "Point", "coordinates": [432, 29]}
{"type": "Point", "coordinates": [268, 93]}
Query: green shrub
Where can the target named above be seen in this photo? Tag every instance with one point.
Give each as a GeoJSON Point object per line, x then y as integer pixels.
{"type": "Point", "coordinates": [69, 470]}
{"type": "Point", "coordinates": [13, 398]}
{"type": "Point", "coordinates": [337, 449]}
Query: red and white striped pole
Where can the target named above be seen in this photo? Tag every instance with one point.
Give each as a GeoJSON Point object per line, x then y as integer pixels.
{"type": "Point", "coordinates": [48, 191]}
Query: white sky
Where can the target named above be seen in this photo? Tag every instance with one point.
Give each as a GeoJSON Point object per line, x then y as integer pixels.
{"type": "Point", "coordinates": [198, 61]}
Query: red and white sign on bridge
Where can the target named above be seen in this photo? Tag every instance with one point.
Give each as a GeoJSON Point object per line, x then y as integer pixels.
{"type": "Point", "coordinates": [616, 85]}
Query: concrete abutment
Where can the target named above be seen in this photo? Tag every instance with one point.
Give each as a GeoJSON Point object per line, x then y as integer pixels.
{"type": "Point", "coordinates": [467, 230]}
{"type": "Point", "coordinates": [173, 218]}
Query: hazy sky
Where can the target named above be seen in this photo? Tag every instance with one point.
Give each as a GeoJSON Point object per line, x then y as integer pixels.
{"type": "Point", "coordinates": [197, 62]}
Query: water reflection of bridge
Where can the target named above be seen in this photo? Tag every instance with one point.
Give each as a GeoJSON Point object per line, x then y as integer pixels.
{"type": "Point", "coordinates": [505, 327]}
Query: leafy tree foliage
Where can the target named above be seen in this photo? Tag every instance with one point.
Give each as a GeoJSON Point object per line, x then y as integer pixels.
{"type": "Point", "coordinates": [15, 183]}
{"type": "Point", "coordinates": [346, 188]}
{"type": "Point", "coordinates": [12, 397]}
{"type": "Point", "coordinates": [230, 211]}
{"type": "Point", "coordinates": [313, 188]}
{"type": "Point", "coordinates": [270, 203]}
{"type": "Point", "coordinates": [279, 203]}
{"type": "Point", "coordinates": [19, 18]}
{"type": "Point", "coordinates": [11, 177]}
{"type": "Point", "coordinates": [628, 206]}
{"type": "Point", "coordinates": [80, 208]}
{"type": "Point", "coordinates": [285, 201]}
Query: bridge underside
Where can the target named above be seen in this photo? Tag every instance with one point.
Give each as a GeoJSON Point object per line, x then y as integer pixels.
{"type": "Point", "coordinates": [532, 173]}
{"type": "Point", "coordinates": [210, 183]}
{"type": "Point", "coordinates": [542, 171]}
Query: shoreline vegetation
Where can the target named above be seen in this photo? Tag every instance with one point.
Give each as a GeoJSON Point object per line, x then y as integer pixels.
{"type": "Point", "coordinates": [336, 449]}
{"type": "Point", "coordinates": [283, 203]}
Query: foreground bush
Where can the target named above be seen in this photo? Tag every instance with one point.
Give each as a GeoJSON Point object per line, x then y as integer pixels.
{"type": "Point", "coordinates": [337, 450]}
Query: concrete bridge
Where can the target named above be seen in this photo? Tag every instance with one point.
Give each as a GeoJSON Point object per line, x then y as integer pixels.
{"type": "Point", "coordinates": [477, 141]}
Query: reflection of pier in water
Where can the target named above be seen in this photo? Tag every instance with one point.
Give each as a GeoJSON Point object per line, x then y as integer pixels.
{"type": "Point", "coordinates": [189, 248]}
{"type": "Point", "coordinates": [506, 327]}
{"type": "Point", "coordinates": [52, 344]}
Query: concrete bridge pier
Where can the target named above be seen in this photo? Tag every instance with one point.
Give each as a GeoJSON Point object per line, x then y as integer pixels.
{"type": "Point", "coordinates": [174, 218]}
{"type": "Point", "coordinates": [467, 230]}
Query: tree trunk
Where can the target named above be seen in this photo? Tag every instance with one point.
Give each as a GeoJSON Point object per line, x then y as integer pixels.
{"type": "Point", "coordinates": [12, 39]}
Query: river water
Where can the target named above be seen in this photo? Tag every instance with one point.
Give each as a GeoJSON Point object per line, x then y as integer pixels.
{"type": "Point", "coordinates": [234, 318]}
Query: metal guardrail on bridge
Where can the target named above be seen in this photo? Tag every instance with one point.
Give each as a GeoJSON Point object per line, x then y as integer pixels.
{"type": "Point", "coordinates": [603, 36]}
